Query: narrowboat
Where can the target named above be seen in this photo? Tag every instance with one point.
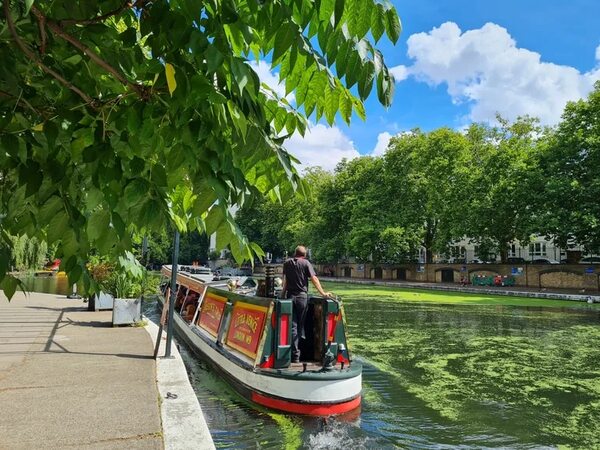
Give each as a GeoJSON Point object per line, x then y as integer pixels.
{"type": "Point", "coordinates": [247, 340]}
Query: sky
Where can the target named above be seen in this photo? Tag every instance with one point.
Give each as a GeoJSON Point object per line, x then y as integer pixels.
{"type": "Point", "coordinates": [459, 62]}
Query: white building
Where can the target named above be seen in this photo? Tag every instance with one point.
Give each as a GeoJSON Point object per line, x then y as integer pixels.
{"type": "Point", "coordinates": [537, 248]}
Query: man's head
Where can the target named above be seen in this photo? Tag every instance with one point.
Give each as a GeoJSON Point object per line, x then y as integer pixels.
{"type": "Point", "coordinates": [300, 252]}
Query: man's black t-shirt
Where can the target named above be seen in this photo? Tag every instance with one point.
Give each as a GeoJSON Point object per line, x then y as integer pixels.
{"type": "Point", "coordinates": [297, 272]}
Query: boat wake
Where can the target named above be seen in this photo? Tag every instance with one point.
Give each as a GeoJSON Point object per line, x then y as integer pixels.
{"type": "Point", "coordinates": [336, 434]}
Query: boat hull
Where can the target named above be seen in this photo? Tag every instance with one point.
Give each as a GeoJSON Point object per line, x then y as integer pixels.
{"type": "Point", "coordinates": [317, 394]}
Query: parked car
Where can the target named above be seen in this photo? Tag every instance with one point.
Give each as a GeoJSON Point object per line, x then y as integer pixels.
{"type": "Point", "coordinates": [457, 261]}
{"type": "Point", "coordinates": [515, 260]}
{"type": "Point", "coordinates": [477, 261]}
{"type": "Point", "coordinates": [544, 261]}
{"type": "Point", "coordinates": [590, 260]}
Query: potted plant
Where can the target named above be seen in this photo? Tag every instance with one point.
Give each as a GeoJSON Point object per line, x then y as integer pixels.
{"type": "Point", "coordinates": [125, 284]}
{"type": "Point", "coordinates": [120, 287]}
{"type": "Point", "coordinates": [100, 270]}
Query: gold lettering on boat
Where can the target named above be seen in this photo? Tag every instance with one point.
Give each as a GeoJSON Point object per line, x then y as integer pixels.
{"type": "Point", "coordinates": [246, 319]}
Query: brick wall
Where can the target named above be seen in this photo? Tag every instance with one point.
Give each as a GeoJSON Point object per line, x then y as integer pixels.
{"type": "Point", "coordinates": [567, 276]}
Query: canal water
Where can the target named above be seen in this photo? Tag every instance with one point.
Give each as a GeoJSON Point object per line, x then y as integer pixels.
{"type": "Point", "coordinates": [55, 284]}
{"type": "Point", "coordinates": [439, 376]}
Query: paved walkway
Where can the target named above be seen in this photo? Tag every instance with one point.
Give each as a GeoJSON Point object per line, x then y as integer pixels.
{"type": "Point", "coordinates": [70, 380]}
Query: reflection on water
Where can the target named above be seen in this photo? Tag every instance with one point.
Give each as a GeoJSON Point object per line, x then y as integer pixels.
{"type": "Point", "coordinates": [56, 284]}
{"type": "Point", "coordinates": [439, 376]}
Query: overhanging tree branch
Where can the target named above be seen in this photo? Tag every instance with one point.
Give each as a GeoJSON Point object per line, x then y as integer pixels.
{"type": "Point", "coordinates": [13, 31]}
{"type": "Point", "coordinates": [128, 4]}
{"type": "Point", "coordinates": [58, 30]}
{"type": "Point", "coordinates": [20, 100]}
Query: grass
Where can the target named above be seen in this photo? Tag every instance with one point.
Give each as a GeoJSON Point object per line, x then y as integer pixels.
{"type": "Point", "coordinates": [350, 291]}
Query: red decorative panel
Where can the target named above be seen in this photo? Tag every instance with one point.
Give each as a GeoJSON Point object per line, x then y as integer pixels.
{"type": "Point", "coordinates": [211, 313]}
{"type": "Point", "coordinates": [246, 327]}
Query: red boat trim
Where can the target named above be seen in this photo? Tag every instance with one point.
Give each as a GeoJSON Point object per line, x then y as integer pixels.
{"type": "Point", "coordinates": [310, 409]}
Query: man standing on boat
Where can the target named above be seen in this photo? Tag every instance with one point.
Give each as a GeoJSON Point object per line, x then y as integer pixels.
{"type": "Point", "coordinates": [296, 273]}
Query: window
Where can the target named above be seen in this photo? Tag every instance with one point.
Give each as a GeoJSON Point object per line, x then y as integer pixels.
{"type": "Point", "coordinates": [512, 251]}
{"type": "Point", "coordinates": [458, 251]}
{"type": "Point", "coordinates": [537, 249]}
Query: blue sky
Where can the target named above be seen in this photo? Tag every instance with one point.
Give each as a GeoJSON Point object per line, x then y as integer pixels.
{"type": "Point", "coordinates": [460, 61]}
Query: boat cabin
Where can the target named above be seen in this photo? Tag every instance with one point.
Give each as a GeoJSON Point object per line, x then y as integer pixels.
{"type": "Point", "coordinates": [256, 332]}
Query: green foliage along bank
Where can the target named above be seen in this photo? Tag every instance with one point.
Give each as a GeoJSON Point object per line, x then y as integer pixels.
{"type": "Point", "coordinates": [491, 184]}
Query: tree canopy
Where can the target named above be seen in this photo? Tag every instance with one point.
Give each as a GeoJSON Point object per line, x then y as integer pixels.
{"type": "Point", "coordinates": [493, 185]}
{"type": "Point", "coordinates": [117, 117]}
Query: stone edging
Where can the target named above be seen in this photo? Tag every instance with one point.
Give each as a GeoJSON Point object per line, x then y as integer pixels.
{"type": "Point", "coordinates": [183, 423]}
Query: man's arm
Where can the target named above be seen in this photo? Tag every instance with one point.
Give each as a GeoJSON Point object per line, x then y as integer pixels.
{"type": "Point", "coordinates": [317, 284]}
{"type": "Point", "coordinates": [284, 288]}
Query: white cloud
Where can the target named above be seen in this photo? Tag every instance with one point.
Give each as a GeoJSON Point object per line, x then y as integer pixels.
{"type": "Point", "coordinates": [486, 68]}
{"type": "Point", "coordinates": [382, 142]}
{"type": "Point", "coordinates": [321, 146]}
{"type": "Point", "coordinates": [400, 73]}
{"type": "Point", "coordinates": [263, 70]}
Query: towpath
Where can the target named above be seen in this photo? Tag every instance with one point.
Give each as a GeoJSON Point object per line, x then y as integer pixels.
{"type": "Point", "coordinates": [68, 379]}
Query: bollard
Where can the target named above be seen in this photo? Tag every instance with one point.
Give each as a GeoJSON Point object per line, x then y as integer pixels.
{"type": "Point", "coordinates": [74, 293]}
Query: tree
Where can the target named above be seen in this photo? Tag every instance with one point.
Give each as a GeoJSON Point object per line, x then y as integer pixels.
{"type": "Point", "coordinates": [396, 245]}
{"type": "Point", "coordinates": [119, 116]}
{"type": "Point", "coordinates": [570, 169]}
{"type": "Point", "coordinates": [27, 253]}
{"type": "Point", "coordinates": [364, 205]}
{"type": "Point", "coordinates": [503, 183]}
{"type": "Point", "coordinates": [425, 182]}
{"type": "Point", "coordinates": [280, 228]}
{"type": "Point", "coordinates": [330, 218]}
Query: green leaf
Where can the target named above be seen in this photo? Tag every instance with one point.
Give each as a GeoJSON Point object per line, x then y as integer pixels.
{"type": "Point", "coordinates": [341, 60]}
{"type": "Point", "coordinates": [93, 198]}
{"type": "Point", "coordinates": [57, 226]}
{"type": "Point", "coordinates": [339, 12]}
{"type": "Point", "coordinates": [326, 10]}
{"type": "Point", "coordinates": [75, 274]}
{"type": "Point", "coordinates": [28, 5]}
{"type": "Point", "coordinates": [214, 219]}
{"type": "Point", "coordinates": [346, 106]}
{"type": "Point", "coordinates": [393, 27]}
{"type": "Point", "coordinates": [225, 235]}
{"type": "Point", "coordinates": [50, 208]}
{"type": "Point", "coordinates": [135, 193]}
{"type": "Point", "coordinates": [134, 120]}
{"type": "Point", "coordinates": [70, 243]}
{"type": "Point", "coordinates": [365, 81]}
{"type": "Point", "coordinates": [73, 60]}
{"type": "Point", "coordinates": [214, 58]}
{"type": "Point", "coordinates": [98, 224]}
{"type": "Point", "coordinates": [365, 9]}
{"type": "Point", "coordinates": [332, 104]}
{"type": "Point", "coordinates": [353, 70]}
{"type": "Point", "coordinates": [257, 249]}
{"type": "Point", "coordinates": [9, 286]}
{"type": "Point", "coordinates": [4, 261]}
{"type": "Point", "coordinates": [378, 21]}
{"type": "Point", "coordinates": [51, 132]}
{"type": "Point", "coordinates": [283, 40]}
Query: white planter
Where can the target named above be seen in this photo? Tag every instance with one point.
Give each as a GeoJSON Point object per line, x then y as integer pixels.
{"type": "Point", "coordinates": [126, 311]}
{"type": "Point", "coordinates": [103, 301]}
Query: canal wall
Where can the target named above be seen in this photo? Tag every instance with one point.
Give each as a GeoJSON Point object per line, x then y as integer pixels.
{"type": "Point", "coordinates": [580, 278]}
